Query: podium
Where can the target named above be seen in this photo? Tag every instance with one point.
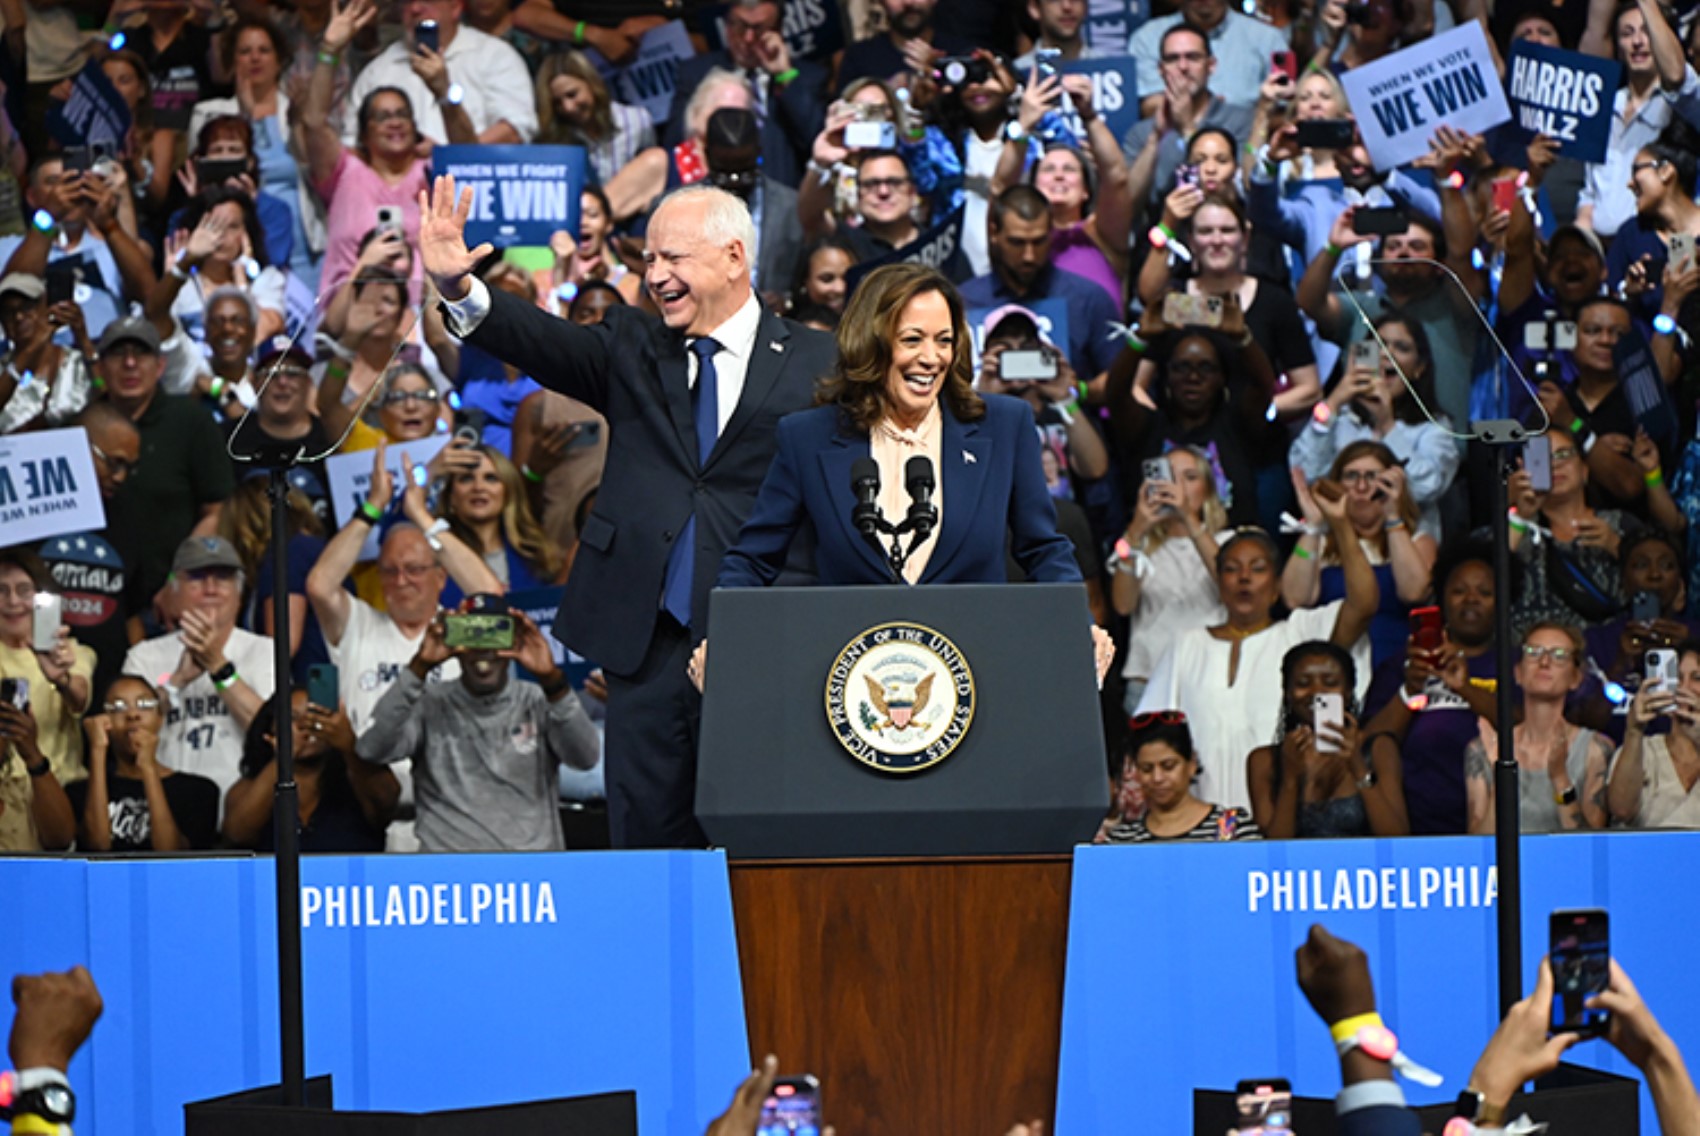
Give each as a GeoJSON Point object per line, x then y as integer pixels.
{"type": "Point", "coordinates": [901, 890]}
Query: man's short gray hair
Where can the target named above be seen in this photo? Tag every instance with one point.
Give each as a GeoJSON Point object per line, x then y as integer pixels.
{"type": "Point", "coordinates": [699, 107]}
{"type": "Point", "coordinates": [725, 218]}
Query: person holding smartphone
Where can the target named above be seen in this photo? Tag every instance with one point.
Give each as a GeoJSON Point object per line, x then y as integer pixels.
{"type": "Point", "coordinates": [57, 669]}
{"type": "Point", "coordinates": [1561, 767]}
{"type": "Point", "coordinates": [1324, 776]}
{"type": "Point", "coordinates": [344, 803]}
{"type": "Point", "coordinates": [62, 381]}
{"type": "Point", "coordinates": [1652, 779]}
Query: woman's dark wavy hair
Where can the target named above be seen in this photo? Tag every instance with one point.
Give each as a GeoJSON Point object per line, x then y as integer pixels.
{"type": "Point", "coordinates": [1315, 648]}
{"type": "Point", "coordinates": [1176, 735]}
{"type": "Point", "coordinates": [867, 333]}
{"type": "Point", "coordinates": [211, 198]}
{"type": "Point", "coordinates": [800, 279]}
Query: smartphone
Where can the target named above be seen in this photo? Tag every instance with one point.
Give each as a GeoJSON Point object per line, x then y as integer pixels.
{"type": "Point", "coordinates": [1427, 630]}
{"type": "Point", "coordinates": [1186, 175]}
{"type": "Point", "coordinates": [1182, 309]}
{"type": "Point", "coordinates": [1286, 62]}
{"type": "Point", "coordinates": [870, 135]}
{"type": "Point", "coordinates": [1385, 222]}
{"type": "Point", "coordinates": [1366, 353]}
{"type": "Point", "coordinates": [1035, 366]}
{"type": "Point", "coordinates": [1505, 194]}
{"type": "Point", "coordinates": [792, 1108]}
{"type": "Point", "coordinates": [1680, 250]}
{"type": "Point", "coordinates": [1561, 338]}
{"type": "Point", "coordinates": [425, 35]}
{"type": "Point", "coordinates": [1045, 60]}
{"type": "Point", "coordinates": [61, 279]}
{"type": "Point", "coordinates": [1328, 710]}
{"type": "Point", "coordinates": [216, 171]}
{"type": "Point", "coordinates": [1325, 133]}
{"type": "Point", "coordinates": [1158, 469]}
{"type": "Point", "coordinates": [1662, 668]}
{"type": "Point", "coordinates": [589, 433]}
{"type": "Point", "coordinates": [1579, 950]}
{"type": "Point", "coordinates": [389, 218]}
{"type": "Point", "coordinates": [1264, 1106]}
{"type": "Point", "coordinates": [323, 689]}
{"type": "Point", "coordinates": [77, 160]}
{"type": "Point", "coordinates": [1537, 463]}
{"type": "Point", "coordinates": [1643, 607]}
{"type": "Point", "coordinates": [49, 614]}
{"type": "Point", "coordinates": [15, 692]}
{"type": "Point", "coordinates": [478, 631]}
{"type": "Point", "coordinates": [469, 426]}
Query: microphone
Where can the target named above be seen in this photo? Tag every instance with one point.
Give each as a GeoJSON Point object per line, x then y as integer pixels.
{"type": "Point", "coordinates": [865, 484]}
{"type": "Point", "coordinates": [918, 476]}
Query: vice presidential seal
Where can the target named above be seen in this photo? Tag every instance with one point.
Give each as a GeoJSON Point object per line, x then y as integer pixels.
{"type": "Point", "coordinates": [900, 697]}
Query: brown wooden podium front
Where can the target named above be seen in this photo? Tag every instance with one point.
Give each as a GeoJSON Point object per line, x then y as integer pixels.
{"type": "Point", "coordinates": [926, 994]}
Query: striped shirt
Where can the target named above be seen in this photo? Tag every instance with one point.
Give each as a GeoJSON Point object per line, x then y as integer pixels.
{"type": "Point", "coordinates": [1218, 824]}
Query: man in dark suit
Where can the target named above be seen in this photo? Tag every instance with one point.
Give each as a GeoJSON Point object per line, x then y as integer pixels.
{"type": "Point", "coordinates": [692, 402]}
{"type": "Point", "coordinates": [790, 95]}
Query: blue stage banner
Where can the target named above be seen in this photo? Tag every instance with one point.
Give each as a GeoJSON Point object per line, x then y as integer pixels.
{"type": "Point", "coordinates": [431, 982]}
{"type": "Point", "coordinates": [1181, 972]}
{"type": "Point", "coordinates": [521, 194]}
{"type": "Point", "coordinates": [1565, 95]}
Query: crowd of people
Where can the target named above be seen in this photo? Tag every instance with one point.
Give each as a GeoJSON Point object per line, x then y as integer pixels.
{"type": "Point", "coordinates": [1254, 420]}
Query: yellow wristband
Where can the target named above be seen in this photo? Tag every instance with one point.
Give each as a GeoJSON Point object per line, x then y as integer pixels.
{"type": "Point", "coordinates": [1653, 477]}
{"type": "Point", "coordinates": [1348, 1027]}
{"type": "Point", "coordinates": [33, 1125]}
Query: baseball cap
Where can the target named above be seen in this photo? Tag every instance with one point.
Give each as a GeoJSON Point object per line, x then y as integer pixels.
{"type": "Point", "coordinates": [201, 552]}
{"type": "Point", "coordinates": [130, 329]}
{"type": "Point", "coordinates": [24, 284]}
{"type": "Point", "coordinates": [1587, 237]}
{"type": "Point", "coordinates": [282, 345]}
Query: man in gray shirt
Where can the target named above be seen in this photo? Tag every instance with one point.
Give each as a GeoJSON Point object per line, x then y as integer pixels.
{"type": "Point", "coordinates": [484, 749]}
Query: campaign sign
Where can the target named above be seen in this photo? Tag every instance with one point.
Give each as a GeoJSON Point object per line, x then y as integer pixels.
{"type": "Point", "coordinates": [1446, 80]}
{"type": "Point", "coordinates": [1181, 975]}
{"type": "Point", "coordinates": [94, 115]}
{"type": "Point", "coordinates": [1111, 23]}
{"type": "Point", "coordinates": [1565, 95]}
{"type": "Point", "coordinates": [520, 194]}
{"type": "Point", "coordinates": [647, 81]}
{"type": "Point", "coordinates": [350, 476]}
{"type": "Point", "coordinates": [939, 247]}
{"type": "Point", "coordinates": [48, 486]}
{"type": "Point", "coordinates": [1114, 94]}
{"type": "Point", "coordinates": [1050, 315]}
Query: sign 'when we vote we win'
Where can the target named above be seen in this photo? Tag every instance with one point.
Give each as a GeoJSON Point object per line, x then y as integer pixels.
{"type": "Point", "coordinates": [1447, 80]}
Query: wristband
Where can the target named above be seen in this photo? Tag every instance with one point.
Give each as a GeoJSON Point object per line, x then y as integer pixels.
{"type": "Point", "coordinates": [37, 770]}
{"type": "Point", "coordinates": [369, 513]}
{"type": "Point", "coordinates": [1577, 425]}
{"type": "Point", "coordinates": [553, 686]}
{"type": "Point", "coordinates": [1395, 523]}
{"type": "Point", "coordinates": [578, 34]}
{"type": "Point", "coordinates": [1348, 1027]}
{"type": "Point", "coordinates": [1301, 552]}
{"type": "Point", "coordinates": [329, 59]}
{"type": "Point", "coordinates": [786, 77]}
{"type": "Point", "coordinates": [1068, 410]}
{"type": "Point", "coordinates": [1413, 702]}
{"type": "Point", "coordinates": [225, 677]}
{"type": "Point", "coordinates": [33, 1125]}
{"type": "Point", "coordinates": [1333, 250]}
{"type": "Point", "coordinates": [1517, 522]}
{"type": "Point", "coordinates": [1653, 477]}
{"type": "Point", "coordinates": [435, 532]}
{"type": "Point", "coordinates": [530, 475]}
{"type": "Point", "coordinates": [217, 387]}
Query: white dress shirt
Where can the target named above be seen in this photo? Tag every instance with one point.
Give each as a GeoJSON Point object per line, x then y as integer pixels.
{"type": "Point", "coordinates": [494, 81]}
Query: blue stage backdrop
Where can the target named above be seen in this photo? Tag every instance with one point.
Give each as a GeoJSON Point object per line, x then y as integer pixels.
{"type": "Point", "coordinates": [1181, 974]}
{"type": "Point", "coordinates": [431, 981]}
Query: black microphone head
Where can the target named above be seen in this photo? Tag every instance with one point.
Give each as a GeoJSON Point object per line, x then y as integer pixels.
{"type": "Point", "coordinates": [865, 470]}
{"type": "Point", "coordinates": [918, 474]}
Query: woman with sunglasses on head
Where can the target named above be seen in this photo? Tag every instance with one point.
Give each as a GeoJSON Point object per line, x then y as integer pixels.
{"type": "Point", "coordinates": [1384, 521]}
{"type": "Point", "coordinates": [130, 802]}
{"type": "Point", "coordinates": [1561, 768]}
{"type": "Point", "coordinates": [1316, 780]}
{"type": "Point", "coordinates": [1217, 675]}
{"type": "Point", "coordinates": [1167, 769]}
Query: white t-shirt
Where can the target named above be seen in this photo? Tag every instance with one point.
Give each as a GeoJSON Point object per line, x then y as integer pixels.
{"type": "Point", "coordinates": [1664, 802]}
{"type": "Point", "coordinates": [1179, 595]}
{"type": "Point", "coordinates": [495, 86]}
{"type": "Point", "coordinates": [1228, 721]}
{"type": "Point", "coordinates": [979, 163]}
{"type": "Point", "coordinates": [200, 735]}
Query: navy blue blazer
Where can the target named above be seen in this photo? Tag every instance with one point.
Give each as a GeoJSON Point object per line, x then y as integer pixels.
{"type": "Point", "coordinates": [992, 486]}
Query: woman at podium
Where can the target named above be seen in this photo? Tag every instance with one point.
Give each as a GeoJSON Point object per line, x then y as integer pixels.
{"type": "Point", "coordinates": [904, 472]}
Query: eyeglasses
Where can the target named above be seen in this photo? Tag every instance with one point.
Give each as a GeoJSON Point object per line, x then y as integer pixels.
{"type": "Point", "coordinates": [120, 467]}
{"type": "Point", "coordinates": [882, 185]}
{"type": "Point", "coordinates": [1639, 166]}
{"type": "Point", "coordinates": [119, 706]}
{"type": "Point", "coordinates": [391, 115]}
{"type": "Point", "coordinates": [1556, 654]}
{"type": "Point", "coordinates": [1359, 476]}
{"type": "Point", "coordinates": [1564, 454]}
{"type": "Point", "coordinates": [211, 575]}
{"type": "Point", "coordinates": [1185, 57]}
{"type": "Point", "coordinates": [396, 398]}
{"type": "Point", "coordinates": [289, 371]}
{"type": "Point", "coordinates": [737, 27]}
{"type": "Point", "coordinates": [411, 571]}
{"type": "Point", "coordinates": [1157, 718]}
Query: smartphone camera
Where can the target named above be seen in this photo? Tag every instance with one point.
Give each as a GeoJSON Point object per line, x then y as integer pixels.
{"type": "Point", "coordinates": [1580, 955]}
{"type": "Point", "coordinates": [15, 692]}
{"type": "Point", "coordinates": [1186, 175]}
{"type": "Point", "coordinates": [478, 631]}
{"type": "Point", "coordinates": [961, 70]}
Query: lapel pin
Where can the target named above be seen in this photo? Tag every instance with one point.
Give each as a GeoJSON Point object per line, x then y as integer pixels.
{"type": "Point", "coordinates": [775, 345]}
{"type": "Point", "coordinates": [968, 458]}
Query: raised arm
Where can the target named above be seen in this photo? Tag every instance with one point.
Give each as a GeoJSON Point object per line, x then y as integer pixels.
{"type": "Point", "coordinates": [324, 583]}
{"type": "Point", "coordinates": [324, 148]}
{"type": "Point", "coordinates": [1363, 594]}
{"type": "Point", "coordinates": [466, 567]}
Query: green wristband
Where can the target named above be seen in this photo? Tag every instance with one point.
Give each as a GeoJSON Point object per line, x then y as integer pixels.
{"type": "Point", "coordinates": [370, 513]}
{"type": "Point", "coordinates": [1301, 552]}
{"type": "Point", "coordinates": [578, 34]}
{"type": "Point", "coordinates": [786, 77]}
{"type": "Point", "coordinates": [1333, 249]}
{"type": "Point", "coordinates": [530, 474]}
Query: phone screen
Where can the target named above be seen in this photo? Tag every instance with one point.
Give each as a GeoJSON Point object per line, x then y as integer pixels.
{"type": "Point", "coordinates": [1580, 953]}
{"type": "Point", "coordinates": [1264, 1107]}
{"type": "Point", "coordinates": [791, 1109]}
{"type": "Point", "coordinates": [1426, 634]}
{"type": "Point", "coordinates": [1328, 719]}
{"type": "Point", "coordinates": [1505, 194]}
{"type": "Point", "coordinates": [322, 686]}
{"type": "Point", "coordinates": [1537, 463]}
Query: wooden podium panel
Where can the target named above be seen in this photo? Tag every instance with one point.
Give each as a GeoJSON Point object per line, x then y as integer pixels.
{"type": "Point", "coordinates": [925, 994]}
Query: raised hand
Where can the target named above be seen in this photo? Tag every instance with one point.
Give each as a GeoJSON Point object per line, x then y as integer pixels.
{"type": "Point", "coordinates": [413, 503]}
{"type": "Point", "coordinates": [381, 491]}
{"type": "Point", "coordinates": [530, 649]}
{"type": "Point", "coordinates": [347, 21]}
{"type": "Point", "coordinates": [442, 238]}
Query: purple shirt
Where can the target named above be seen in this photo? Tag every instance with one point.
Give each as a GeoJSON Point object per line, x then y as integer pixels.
{"type": "Point", "coordinates": [1072, 250]}
{"type": "Point", "coordinates": [1433, 752]}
